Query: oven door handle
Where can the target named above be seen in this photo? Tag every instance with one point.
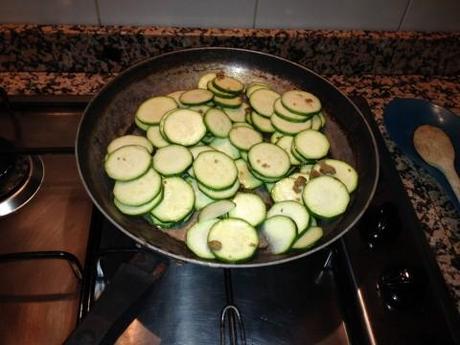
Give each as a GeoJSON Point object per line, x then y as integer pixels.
{"type": "Point", "coordinates": [119, 303]}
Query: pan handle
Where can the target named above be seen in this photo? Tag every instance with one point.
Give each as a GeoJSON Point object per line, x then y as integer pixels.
{"type": "Point", "coordinates": [118, 305]}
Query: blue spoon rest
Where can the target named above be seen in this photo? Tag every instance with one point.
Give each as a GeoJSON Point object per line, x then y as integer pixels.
{"type": "Point", "coordinates": [402, 116]}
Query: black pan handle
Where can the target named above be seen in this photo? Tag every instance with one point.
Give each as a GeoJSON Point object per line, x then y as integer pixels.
{"type": "Point", "coordinates": [119, 303]}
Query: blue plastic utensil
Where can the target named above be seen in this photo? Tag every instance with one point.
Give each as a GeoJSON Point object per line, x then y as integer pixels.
{"type": "Point", "coordinates": [402, 116]}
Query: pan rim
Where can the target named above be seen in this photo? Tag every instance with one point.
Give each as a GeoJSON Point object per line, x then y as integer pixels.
{"type": "Point", "coordinates": [214, 264]}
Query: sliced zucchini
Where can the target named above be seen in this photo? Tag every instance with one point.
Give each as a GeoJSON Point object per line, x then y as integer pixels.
{"type": "Point", "coordinates": [201, 109]}
{"type": "Point", "coordinates": [244, 138]}
{"type": "Point", "coordinates": [280, 232]}
{"type": "Point", "coordinates": [263, 100]}
{"type": "Point", "coordinates": [158, 223]}
{"type": "Point", "coordinates": [215, 170]}
{"type": "Point", "coordinates": [262, 177]}
{"type": "Point", "coordinates": [225, 146]}
{"type": "Point", "coordinates": [301, 102]}
{"type": "Point", "coordinates": [237, 114]}
{"type": "Point", "coordinates": [308, 238]}
{"type": "Point", "coordinates": [254, 87]}
{"type": "Point", "coordinates": [141, 209]}
{"type": "Point", "coordinates": [155, 137]}
{"type": "Point", "coordinates": [242, 124]}
{"type": "Point", "coordinates": [176, 95]}
{"type": "Point", "coordinates": [311, 144]}
{"type": "Point", "coordinates": [197, 239]}
{"type": "Point", "coordinates": [249, 119]}
{"type": "Point", "coordinates": [128, 163]}
{"type": "Point", "coordinates": [288, 188]}
{"type": "Point", "coordinates": [298, 156]}
{"type": "Point", "coordinates": [228, 84]}
{"type": "Point", "coordinates": [276, 136]}
{"type": "Point", "coordinates": [233, 240]}
{"type": "Point", "coordinates": [249, 207]}
{"type": "Point", "coordinates": [340, 170]}
{"type": "Point", "coordinates": [247, 180]}
{"type": "Point", "coordinates": [228, 102]}
{"type": "Point", "coordinates": [217, 122]}
{"type": "Point", "coordinates": [138, 191]}
{"type": "Point", "coordinates": [167, 225]}
{"type": "Point", "coordinates": [208, 138]}
{"type": "Point", "coordinates": [201, 199]}
{"type": "Point", "coordinates": [220, 194]}
{"type": "Point", "coordinates": [326, 197]}
{"type": "Point", "coordinates": [141, 125]}
{"type": "Point", "coordinates": [178, 200]}
{"type": "Point", "coordinates": [161, 125]}
{"type": "Point", "coordinates": [196, 97]}
{"type": "Point", "coordinates": [184, 127]}
{"type": "Point", "coordinates": [306, 168]}
{"type": "Point", "coordinates": [129, 140]}
{"type": "Point", "coordinates": [288, 115]}
{"type": "Point", "coordinates": [152, 110]}
{"type": "Point", "coordinates": [322, 118]}
{"type": "Point", "coordinates": [313, 221]}
{"type": "Point", "coordinates": [294, 210]}
{"type": "Point", "coordinates": [263, 124]}
{"type": "Point", "coordinates": [172, 160]}
{"type": "Point", "coordinates": [218, 92]}
{"type": "Point", "coordinates": [269, 160]}
{"type": "Point", "coordinates": [216, 209]}
{"type": "Point", "coordinates": [286, 143]}
{"type": "Point", "coordinates": [287, 127]}
{"type": "Point", "coordinates": [205, 79]}
{"type": "Point", "coordinates": [196, 150]}
{"type": "Point", "coordinates": [316, 122]}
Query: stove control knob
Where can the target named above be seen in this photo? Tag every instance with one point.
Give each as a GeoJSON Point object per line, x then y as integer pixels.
{"type": "Point", "coordinates": [400, 288]}
{"type": "Point", "coordinates": [380, 224]}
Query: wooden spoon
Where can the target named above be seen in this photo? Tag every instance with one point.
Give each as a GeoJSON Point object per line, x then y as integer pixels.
{"type": "Point", "coordinates": [435, 147]}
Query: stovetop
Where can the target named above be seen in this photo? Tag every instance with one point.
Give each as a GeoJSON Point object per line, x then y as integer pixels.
{"type": "Point", "coordinates": [379, 284]}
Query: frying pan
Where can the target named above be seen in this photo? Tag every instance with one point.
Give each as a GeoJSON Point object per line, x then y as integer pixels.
{"type": "Point", "coordinates": [111, 114]}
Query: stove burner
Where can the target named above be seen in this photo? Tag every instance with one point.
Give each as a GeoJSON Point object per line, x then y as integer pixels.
{"type": "Point", "coordinates": [19, 182]}
{"type": "Point", "coordinates": [14, 176]}
{"type": "Point", "coordinates": [7, 158]}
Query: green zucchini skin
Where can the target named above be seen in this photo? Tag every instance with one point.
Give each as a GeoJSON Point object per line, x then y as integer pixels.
{"type": "Point", "coordinates": [258, 139]}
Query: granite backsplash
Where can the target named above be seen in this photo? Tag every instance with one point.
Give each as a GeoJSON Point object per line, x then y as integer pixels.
{"type": "Point", "coordinates": [95, 49]}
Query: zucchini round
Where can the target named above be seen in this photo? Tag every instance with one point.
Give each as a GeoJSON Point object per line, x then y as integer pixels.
{"type": "Point", "coordinates": [178, 200]}
{"type": "Point", "coordinates": [249, 207]}
{"type": "Point", "coordinates": [233, 240]}
{"type": "Point", "coordinates": [280, 232]}
{"type": "Point", "coordinates": [326, 197]}
{"type": "Point", "coordinates": [215, 170]}
{"type": "Point", "coordinates": [269, 160]}
{"type": "Point", "coordinates": [127, 162]}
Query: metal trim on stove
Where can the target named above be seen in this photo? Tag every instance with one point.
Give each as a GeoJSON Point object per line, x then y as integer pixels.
{"type": "Point", "coordinates": [27, 190]}
{"type": "Point", "coordinates": [73, 261]}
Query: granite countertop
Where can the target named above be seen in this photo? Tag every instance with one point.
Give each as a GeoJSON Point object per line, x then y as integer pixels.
{"type": "Point", "coordinates": [428, 68]}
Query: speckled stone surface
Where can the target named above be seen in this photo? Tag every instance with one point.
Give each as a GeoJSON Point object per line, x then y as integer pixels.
{"type": "Point", "coordinates": [111, 49]}
{"type": "Point", "coordinates": [435, 212]}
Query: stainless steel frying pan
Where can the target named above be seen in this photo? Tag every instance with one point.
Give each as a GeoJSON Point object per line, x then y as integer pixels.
{"type": "Point", "coordinates": [111, 114]}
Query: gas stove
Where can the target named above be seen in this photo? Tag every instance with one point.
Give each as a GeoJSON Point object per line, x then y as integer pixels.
{"type": "Point", "coordinates": [379, 284]}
